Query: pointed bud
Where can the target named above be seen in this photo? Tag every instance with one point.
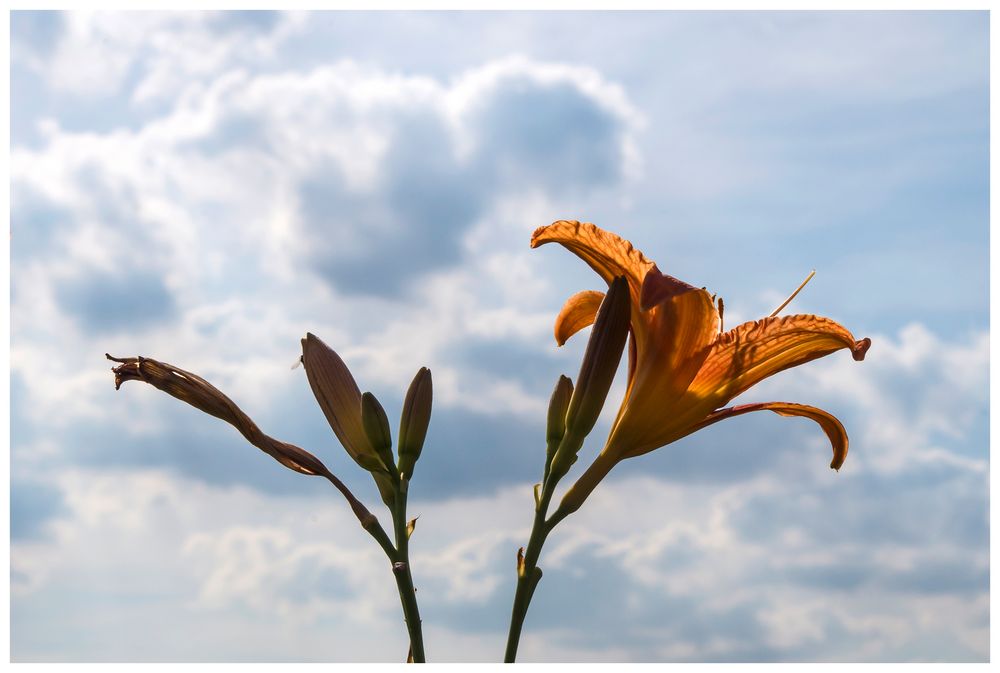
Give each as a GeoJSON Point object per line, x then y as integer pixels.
{"type": "Point", "coordinates": [600, 361]}
{"type": "Point", "coordinates": [340, 399]}
{"type": "Point", "coordinates": [411, 526]}
{"type": "Point", "coordinates": [414, 421]}
{"type": "Point", "coordinates": [377, 428]}
{"type": "Point", "coordinates": [556, 426]}
{"type": "Point", "coordinates": [558, 405]}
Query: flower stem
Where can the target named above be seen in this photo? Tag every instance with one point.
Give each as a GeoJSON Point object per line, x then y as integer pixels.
{"type": "Point", "coordinates": [398, 556]}
{"type": "Point", "coordinates": [404, 579]}
{"type": "Point", "coordinates": [368, 520]}
{"type": "Point", "coordinates": [528, 572]}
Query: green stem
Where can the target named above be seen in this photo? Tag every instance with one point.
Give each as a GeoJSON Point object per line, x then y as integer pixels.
{"type": "Point", "coordinates": [399, 556]}
{"type": "Point", "coordinates": [368, 520]}
{"type": "Point", "coordinates": [528, 573]}
{"type": "Point", "coordinates": [404, 578]}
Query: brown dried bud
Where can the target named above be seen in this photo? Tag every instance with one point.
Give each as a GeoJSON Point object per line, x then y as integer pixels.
{"type": "Point", "coordinates": [202, 395]}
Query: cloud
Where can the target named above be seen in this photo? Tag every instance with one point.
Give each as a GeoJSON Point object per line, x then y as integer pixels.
{"type": "Point", "coordinates": [266, 571]}
{"type": "Point", "coordinates": [201, 227]}
{"type": "Point", "coordinates": [32, 505]}
{"type": "Point", "coordinates": [671, 570]}
{"type": "Point", "coordinates": [319, 157]}
{"type": "Point", "coordinates": [94, 54]}
{"type": "Point", "coordinates": [706, 550]}
{"type": "Point", "coordinates": [36, 32]}
{"type": "Point", "coordinates": [513, 126]}
{"type": "Point", "coordinates": [105, 302]}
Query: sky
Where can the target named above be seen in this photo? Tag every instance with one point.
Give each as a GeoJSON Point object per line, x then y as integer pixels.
{"type": "Point", "coordinates": [205, 188]}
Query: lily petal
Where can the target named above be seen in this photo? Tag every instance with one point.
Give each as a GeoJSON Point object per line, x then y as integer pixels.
{"type": "Point", "coordinates": [577, 313]}
{"type": "Point", "coordinates": [607, 254]}
{"type": "Point", "coordinates": [672, 342]}
{"type": "Point", "coordinates": [657, 287]}
{"type": "Point", "coordinates": [833, 428]}
{"type": "Point", "coordinates": [671, 348]}
{"type": "Point", "coordinates": [681, 322]}
{"type": "Point", "coordinates": [751, 352]}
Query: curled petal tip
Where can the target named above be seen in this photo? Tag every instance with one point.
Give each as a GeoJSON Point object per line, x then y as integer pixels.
{"type": "Point", "coordinates": [833, 428]}
{"type": "Point", "coordinates": [537, 234]}
{"type": "Point", "coordinates": [128, 369]}
{"type": "Point", "coordinates": [860, 348]}
{"type": "Point", "coordinates": [577, 313]}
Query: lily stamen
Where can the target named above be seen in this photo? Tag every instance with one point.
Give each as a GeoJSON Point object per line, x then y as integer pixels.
{"type": "Point", "coordinates": [722, 308]}
{"type": "Point", "coordinates": [797, 290]}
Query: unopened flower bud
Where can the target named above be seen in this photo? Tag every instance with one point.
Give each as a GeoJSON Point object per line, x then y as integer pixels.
{"type": "Point", "coordinates": [556, 426]}
{"type": "Point", "coordinates": [558, 404]}
{"type": "Point", "coordinates": [600, 361]}
{"type": "Point", "coordinates": [414, 421]}
{"type": "Point", "coordinates": [377, 428]}
{"type": "Point", "coordinates": [340, 399]}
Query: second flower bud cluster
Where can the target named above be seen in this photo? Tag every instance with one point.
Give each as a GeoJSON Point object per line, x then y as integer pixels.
{"type": "Point", "coordinates": [573, 411]}
{"type": "Point", "coordinates": [360, 422]}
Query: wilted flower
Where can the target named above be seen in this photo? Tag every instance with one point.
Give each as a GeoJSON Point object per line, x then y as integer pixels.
{"type": "Point", "coordinates": [202, 395]}
{"type": "Point", "coordinates": [682, 370]}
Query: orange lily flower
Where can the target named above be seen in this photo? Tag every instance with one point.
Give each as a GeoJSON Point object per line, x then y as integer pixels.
{"type": "Point", "coordinates": [682, 369]}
